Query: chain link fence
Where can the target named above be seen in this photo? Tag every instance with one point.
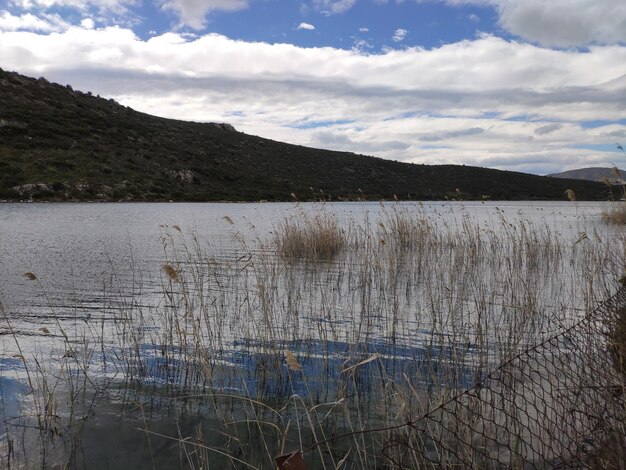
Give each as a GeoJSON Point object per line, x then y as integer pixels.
{"type": "Point", "coordinates": [558, 404]}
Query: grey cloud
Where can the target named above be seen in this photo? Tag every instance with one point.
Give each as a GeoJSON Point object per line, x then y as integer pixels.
{"type": "Point", "coordinates": [359, 99]}
{"type": "Point", "coordinates": [452, 134]}
{"type": "Point", "coordinates": [619, 134]}
{"type": "Point", "coordinates": [193, 12]}
{"type": "Point", "coordinates": [338, 141]}
{"type": "Point", "coordinates": [547, 129]}
{"type": "Point", "coordinates": [564, 23]}
{"type": "Point", "coordinates": [560, 23]}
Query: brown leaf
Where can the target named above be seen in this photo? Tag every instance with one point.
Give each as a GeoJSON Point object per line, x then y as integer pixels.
{"type": "Point", "coordinates": [292, 362]}
{"type": "Point", "coordinates": [581, 237]}
{"type": "Point", "coordinates": [373, 357]}
{"type": "Point", "coordinates": [291, 461]}
{"type": "Point", "coordinates": [171, 272]}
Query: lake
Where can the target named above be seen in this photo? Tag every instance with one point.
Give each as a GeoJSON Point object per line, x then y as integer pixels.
{"type": "Point", "coordinates": [75, 248]}
{"type": "Point", "coordinates": [193, 323]}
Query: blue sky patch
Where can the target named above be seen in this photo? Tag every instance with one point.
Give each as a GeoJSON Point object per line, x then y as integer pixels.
{"type": "Point", "coordinates": [601, 123]}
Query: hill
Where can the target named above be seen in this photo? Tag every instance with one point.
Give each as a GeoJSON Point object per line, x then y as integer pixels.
{"type": "Point", "coordinates": [614, 175]}
{"type": "Point", "coordinates": [61, 144]}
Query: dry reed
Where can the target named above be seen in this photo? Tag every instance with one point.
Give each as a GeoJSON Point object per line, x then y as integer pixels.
{"type": "Point", "coordinates": [615, 214]}
{"type": "Point", "coordinates": [285, 355]}
{"type": "Point", "coordinates": [314, 238]}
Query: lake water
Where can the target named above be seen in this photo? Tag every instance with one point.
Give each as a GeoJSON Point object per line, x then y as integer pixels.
{"type": "Point", "coordinates": [75, 248]}
{"type": "Point", "coordinates": [81, 251]}
{"type": "Point", "coordinates": [102, 300]}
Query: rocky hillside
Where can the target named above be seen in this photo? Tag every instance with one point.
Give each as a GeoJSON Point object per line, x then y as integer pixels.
{"type": "Point", "coordinates": [61, 144]}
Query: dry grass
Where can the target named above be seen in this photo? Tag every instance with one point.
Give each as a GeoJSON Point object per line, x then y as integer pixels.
{"type": "Point", "coordinates": [611, 453]}
{"type": "Point", "coordinates": [616, 214]}
{"type": "Point", "coordinates": [317, 237]}
{"type": "Point", "coordinates": [403, 228]}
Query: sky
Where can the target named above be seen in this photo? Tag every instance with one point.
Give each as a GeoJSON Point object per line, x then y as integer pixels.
{"type": "Point", "coordinates": [528, 85]}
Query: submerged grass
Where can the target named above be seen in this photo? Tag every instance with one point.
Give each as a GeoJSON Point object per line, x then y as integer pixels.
{"type": "Point", "coordinates": [256, 355]}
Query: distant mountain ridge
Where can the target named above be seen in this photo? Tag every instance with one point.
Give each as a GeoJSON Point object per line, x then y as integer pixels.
{"type": "Point", "coordinates": [61, 144]}
{"type": "Point", "coordinates": [614, 175]}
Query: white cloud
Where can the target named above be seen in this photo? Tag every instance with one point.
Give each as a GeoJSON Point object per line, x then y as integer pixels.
{"type": "Point", "coordinates": [561, 23]}
{"type": "Point", "coordinates": [30, 22]}
{"type": "Point", "coordinates": [306, 26]}
{"type": "Point", "coordinates": [362, 46]}
{"type": "Point", "coordinates": [332, 7]}
{"type": "Point", "coordinates": [190, 13]}
{"type": "Point", "coordinates": [87, 23]}
{"type": "Point", "coordinates": [193, 12]}
{"type": "Point", "coordinates": [474, 18]}
{"type": "Point", "coordinates": [116, 6]}
{"type": "Point", "coordinates": [487, 101]}
{"type": "Point", "coordinates": [399, 35]}
{"type": "Point", "coordinates": [364, 30]}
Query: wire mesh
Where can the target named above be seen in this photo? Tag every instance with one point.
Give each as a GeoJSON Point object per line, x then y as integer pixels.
{"type": "Point", "coordinates": [557, 404]}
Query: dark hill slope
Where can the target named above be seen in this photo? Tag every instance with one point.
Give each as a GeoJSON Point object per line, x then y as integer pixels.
{"type": "Point", "coordinates": [56, 143]}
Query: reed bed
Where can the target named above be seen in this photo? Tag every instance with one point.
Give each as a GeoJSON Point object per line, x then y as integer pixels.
{"type": "Point", "coordinates": [316, 237]}
{"type": "Point", "coordinates": [615, 214]}
{"type": "Point", "coordinates": [321, 337]}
